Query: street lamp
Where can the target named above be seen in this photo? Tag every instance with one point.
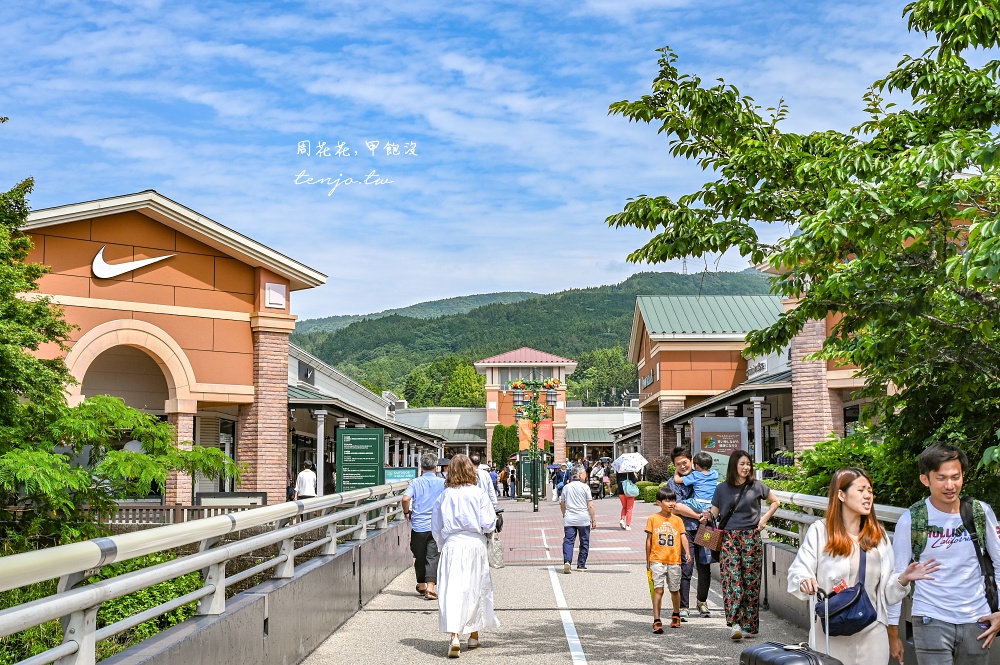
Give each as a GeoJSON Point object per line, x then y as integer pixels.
{"type": "Point", "coordinates": [535, 412]}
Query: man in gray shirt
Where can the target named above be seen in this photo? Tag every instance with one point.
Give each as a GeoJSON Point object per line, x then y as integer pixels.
{"type": "Point", "coordinates": [577, 506]}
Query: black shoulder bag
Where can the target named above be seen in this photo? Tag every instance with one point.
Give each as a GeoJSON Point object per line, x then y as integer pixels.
{"type": "Point", "coordinates": [985, 561]}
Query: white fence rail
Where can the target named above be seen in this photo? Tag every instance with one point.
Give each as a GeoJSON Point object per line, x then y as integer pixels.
{"type": "Point", "coordinates": [809, 504]}
{"type": "Point", "coordinates": [346, 515]}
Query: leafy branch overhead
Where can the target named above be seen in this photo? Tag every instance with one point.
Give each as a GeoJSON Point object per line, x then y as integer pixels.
{"type": "Point", "coordinates": [895, 234]}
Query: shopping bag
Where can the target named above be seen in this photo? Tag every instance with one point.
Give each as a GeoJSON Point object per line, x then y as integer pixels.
{"type": "Point", "coordinates": [709, 536]}
{"type": "Point", "coordinates": [494, 550]}
{"type": "Point", "coordinates": [649, 576]}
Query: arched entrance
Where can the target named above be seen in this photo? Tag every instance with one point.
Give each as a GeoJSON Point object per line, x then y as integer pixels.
{"type": "Point", "coordinates": [129, 373]}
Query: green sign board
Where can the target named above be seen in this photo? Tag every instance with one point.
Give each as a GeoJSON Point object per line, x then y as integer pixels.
{"type": "Point", "coordinates": [396, 474]}
{"type": "Point", "coordinates": [359, 458]}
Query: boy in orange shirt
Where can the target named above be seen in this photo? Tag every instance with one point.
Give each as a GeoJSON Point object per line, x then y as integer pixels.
{"type": "Point", "coordinates": [666, 544]}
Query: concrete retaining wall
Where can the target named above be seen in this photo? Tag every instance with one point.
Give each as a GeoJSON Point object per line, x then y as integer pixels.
{"type": "Point", "coordinates": [281, 622]}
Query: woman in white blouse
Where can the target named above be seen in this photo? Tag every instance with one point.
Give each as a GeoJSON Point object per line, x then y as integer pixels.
{"type": "Point", "coordinates": [830, 558]}
{"type": "Point", "coordinates": [462, 517]}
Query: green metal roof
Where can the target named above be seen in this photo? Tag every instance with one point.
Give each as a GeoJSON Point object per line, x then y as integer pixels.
{"type": "Point", "coordinates": [588, 435]}
{"type": "Point", "coordinates": [707, 315]}
{"type": "Point", "coordinates": [474, 435]}
{"type": "Point", "coordinates": [298, 392]}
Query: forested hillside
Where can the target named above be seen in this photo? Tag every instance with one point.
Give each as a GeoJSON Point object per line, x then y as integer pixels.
{"type": "Point", "coordinates": [423, 310]}
{"type": "Point", "coordinates": [384, 352]}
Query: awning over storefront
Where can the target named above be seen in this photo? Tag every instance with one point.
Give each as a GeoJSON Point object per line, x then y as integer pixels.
{"type": "Point", "coordinates": [579, 435]}
{"type": "Point", "coordinates": [473, 435]}
{"type": "Point", "coordinates": [300, 396]}
{"type": "Point", "coordinates": [777, 383]}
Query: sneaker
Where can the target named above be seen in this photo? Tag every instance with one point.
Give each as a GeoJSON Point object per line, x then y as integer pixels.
{"type": "Point", "coordinates": [628, 527]}
{"type": "Point", "coordinates": [621, 523]}
{"type": "Point", "coordinates": [675, 621]}
{"type": "Point", "coordinates": [684, 614]}
{"type": "Point", "coordinates": [581, 568]}
{"type": "Point", "coordinates": [737, 633]}
{"type": "Point", "coordinates": [657, 626]}
{"type": "Point", "coordinates": [567, 568]}
{"type": "Point", "coordinates": [703, 611]}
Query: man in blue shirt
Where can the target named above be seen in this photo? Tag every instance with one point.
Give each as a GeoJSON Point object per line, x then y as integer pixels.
{"type": "Point", "coordinates": [418, 504]}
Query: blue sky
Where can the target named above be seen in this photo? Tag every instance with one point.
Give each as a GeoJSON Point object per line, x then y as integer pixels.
{"type": "Point", "coordinates": [504, 104]}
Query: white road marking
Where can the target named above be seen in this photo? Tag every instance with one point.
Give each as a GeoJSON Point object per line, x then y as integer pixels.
{"type": "Point", "coordinates": [545, 544]}
{"type": "Point", "coordinates": [572, 639]}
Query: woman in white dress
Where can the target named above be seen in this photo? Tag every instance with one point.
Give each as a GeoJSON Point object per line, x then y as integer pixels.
{"type": "Point", "coordinates": [830, 556]}
{"type": "Point", "coordinates": [462, 517]}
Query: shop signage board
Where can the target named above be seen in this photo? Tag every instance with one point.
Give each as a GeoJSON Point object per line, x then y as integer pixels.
{"type": "Point", "coordinates": [396, 474]}
{"type": "Point", "coordinates": [359, 458]}
{"type": "Point", "coordinates": [720, 438]}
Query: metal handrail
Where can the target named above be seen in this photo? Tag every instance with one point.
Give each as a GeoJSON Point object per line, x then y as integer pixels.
{"type": "Point", "coordinates": [72, 563]}
{"type": "Point", "coordinates": [810, 503]}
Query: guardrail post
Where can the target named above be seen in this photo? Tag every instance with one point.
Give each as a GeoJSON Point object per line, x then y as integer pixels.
{"type": "Point", "coordinates": [362, 533]}
{"type": "Point", "coordinates": [82, 629]}
{"type": "Point", "coordinates": [331, 532]}
{"type": "Point", "coordinates": [216, 603]}
{"type": "Point", "coordinates": [285, 569]}
{"type": "Point", "coordinates": [383, 517]}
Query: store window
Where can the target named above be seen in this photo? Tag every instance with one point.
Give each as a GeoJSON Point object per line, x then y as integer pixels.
{"type": "Point", "coordinates": [851, 416]}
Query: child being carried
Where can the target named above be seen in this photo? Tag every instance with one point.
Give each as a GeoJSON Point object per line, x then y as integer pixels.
{"type": "Point", "coordinates": [703, 479]}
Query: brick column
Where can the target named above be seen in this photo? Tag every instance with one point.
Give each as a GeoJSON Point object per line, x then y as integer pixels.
{"type": "Point", "coordinates": [489, 443]}
{"type": "Point", "coordinates": [179, 486]}
{"type": "Point", "coordinates": [558, 444]}
{"type": "Point", "coordinates": [650, 433]}
{"type": "Point", "coordinates": [668, 436]}
{"type": "Point", "coordinates": [262, 438]}
{"type": "Point", "coordinates": [816, 409]}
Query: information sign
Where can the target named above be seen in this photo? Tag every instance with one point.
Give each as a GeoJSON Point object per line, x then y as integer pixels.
{"type": "Point", "coordinates": [359, 458]}
{"type": "Point", "coordinates": [396, 474]}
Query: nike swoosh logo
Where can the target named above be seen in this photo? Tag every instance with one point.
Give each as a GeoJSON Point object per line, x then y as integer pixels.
{"type": "Point", "coordinates": [104, 270]}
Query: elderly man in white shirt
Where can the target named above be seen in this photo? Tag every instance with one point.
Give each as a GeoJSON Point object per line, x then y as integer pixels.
{"type": "Point", "coordinates": [484, 479]}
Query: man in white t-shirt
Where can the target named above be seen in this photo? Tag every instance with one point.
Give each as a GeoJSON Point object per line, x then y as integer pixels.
{"type": "Point", "coordinates": [305, 483]}
{"type": "Point", "coordinates": [577, 505]}
{"type": "Point", "coordinates": [484, 478]}
{"type": "Point", "coordinates": [952, 621]}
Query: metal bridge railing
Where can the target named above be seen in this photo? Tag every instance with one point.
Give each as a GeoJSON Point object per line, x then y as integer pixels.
{"type": "Point", "coordinates": [346, 515]}
{"type": "Point", "coordinates": [809, 504]}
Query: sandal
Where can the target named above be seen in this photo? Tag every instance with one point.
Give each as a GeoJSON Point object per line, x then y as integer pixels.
{"type": "Point", "coordinates": [658, 627]}
{"type": "Point", "coordinates": [430, 595]}
{"type": "Point", "coordinates": [420, 591]}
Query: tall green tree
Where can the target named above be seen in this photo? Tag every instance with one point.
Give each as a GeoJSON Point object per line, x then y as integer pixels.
{"type": "Point", "coordinates": [58, 500]}
{"type": "Point", "coordinates": [466, 388]}
{"type": "Point", "coordinates": [601, 376]}
{"type": "Point", "coordinates": [897, 226]}
{"type": "Point", "coordinates": [504, 443]}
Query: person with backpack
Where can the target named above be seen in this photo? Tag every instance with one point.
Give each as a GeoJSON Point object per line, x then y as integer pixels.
{"type": "Point", "coordinates": [848, 550]}
{"type": "Point", "coordinates": [954, 615]}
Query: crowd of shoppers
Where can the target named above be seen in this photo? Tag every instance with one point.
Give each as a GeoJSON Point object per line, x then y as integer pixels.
{"type": "Point", "coordinates": [942, 554]}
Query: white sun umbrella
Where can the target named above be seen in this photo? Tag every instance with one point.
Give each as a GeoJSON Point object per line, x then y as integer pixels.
{"type": "Point", "coordinates": [629, 463]}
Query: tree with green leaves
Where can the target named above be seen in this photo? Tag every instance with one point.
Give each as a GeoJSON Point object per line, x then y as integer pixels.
{"type": "Point", "coordinates": [601, 376]}
{"type": "Point", "coordinates": [46, 497]}
{"type": "Point", "coordinates": [466, 388]}
{"type": "Point", "coordinates": [504, 443]}
{"type": "Point", "coordinates": [897, 222]}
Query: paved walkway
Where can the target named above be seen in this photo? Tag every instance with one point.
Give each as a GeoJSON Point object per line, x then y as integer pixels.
{"type": "Point", "coordinates": [601, 616]}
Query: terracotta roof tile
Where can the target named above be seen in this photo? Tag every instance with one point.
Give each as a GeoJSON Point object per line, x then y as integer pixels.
{"type": "Point", "coordinates": [527, 356]}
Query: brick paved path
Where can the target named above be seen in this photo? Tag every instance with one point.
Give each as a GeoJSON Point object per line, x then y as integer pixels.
{"type": "Point", "coordinates": [601, 616]}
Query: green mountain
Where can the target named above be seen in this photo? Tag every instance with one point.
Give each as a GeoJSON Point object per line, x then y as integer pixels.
{"type": "Point", "coordinates": [424, 310]}
{"type": "Point", "coordinates": [383, 351]}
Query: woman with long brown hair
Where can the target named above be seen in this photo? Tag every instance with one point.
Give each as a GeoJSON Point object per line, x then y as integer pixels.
{"type": "Point", "coordinates": [462, 517]}
{"type": "Point", "coordinates": [829, 559]}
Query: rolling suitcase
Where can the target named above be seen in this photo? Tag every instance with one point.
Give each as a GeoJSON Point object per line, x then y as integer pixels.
{"type": "Point", "coordinates": [776, 653]}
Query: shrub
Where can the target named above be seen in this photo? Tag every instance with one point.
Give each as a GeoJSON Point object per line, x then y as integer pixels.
{"type": "Point", "coordinates": [648, 493]}
{"type": "Point", "coordinates": [20, 646]}
{"type": "Point", "coordinates": [659, 470]}
{"type": "Point", "coordinates": [646, 483]}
